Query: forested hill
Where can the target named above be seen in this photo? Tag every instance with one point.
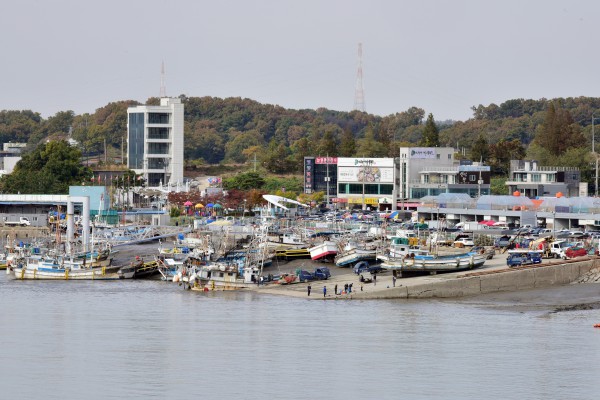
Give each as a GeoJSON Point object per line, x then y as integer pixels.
{"type": "Point", "coordinates": [236, 130]}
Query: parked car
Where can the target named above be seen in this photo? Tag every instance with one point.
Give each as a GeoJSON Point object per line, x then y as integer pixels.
{"type": "Point", "coordinates": [523, 257]}
{"type": "Point", "coordinates": [363, 267]}
{"type": "Point", "coordinates": [462, 242]}
{"type": "Point", "coordinates": [322, 273]}
{"type": "Point", "coordinates": [305, 276]}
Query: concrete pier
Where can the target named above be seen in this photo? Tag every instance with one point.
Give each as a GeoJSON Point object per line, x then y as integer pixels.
{"type": "Point", "coordinates": [495, 278]}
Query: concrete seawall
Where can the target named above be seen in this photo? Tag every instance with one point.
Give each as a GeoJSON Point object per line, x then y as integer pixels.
{"type": "Point", "coordinates": [474, 283]}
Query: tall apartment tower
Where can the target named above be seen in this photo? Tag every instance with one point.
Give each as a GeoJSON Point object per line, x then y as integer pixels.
{"type": "Point", "coordinates": [155, 142]}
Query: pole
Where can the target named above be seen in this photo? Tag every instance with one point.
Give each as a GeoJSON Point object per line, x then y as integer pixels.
{"type": "Point", "coordinates": [595, 155]}
{"type": "Point", "coordinates": [327, 179]}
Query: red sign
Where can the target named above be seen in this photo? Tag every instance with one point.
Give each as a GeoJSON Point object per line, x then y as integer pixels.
{"type": "Point", "coordinates": [326, 160]}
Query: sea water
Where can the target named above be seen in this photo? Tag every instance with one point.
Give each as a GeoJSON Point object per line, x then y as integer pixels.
{"type": "Point", "coordinates": [152, 339]}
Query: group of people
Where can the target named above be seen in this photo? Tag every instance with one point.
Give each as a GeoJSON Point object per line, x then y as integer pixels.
{"type": "Point", "coordinates": [347, 289]}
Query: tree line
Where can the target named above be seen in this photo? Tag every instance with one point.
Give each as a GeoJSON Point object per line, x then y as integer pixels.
{"type": "Point", "coordinates": [235, 130]}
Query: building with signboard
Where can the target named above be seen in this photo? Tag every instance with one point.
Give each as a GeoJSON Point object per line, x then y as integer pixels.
{"type": "Point", "coordinates": [377, 182]}
{"type": "Point", "coordinates": [429, 171]}
{"type": "Point", "coordinates": [320, 175]}
{"type": "Point", "coordinates": [366, 182]}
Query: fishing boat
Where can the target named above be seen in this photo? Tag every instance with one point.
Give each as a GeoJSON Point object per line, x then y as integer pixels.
{"type": "Point", "coordinates": [401, 257]}
{"type": "Point", "coordinates": [139, 269]}
{"type": "Point", "coordinates": [41, 267]}
{"type": "Point", "coordinates": [292, 254]}
{"type": "Point", "coordinates": [353, 252]}
{"type": "Point", "coordinates": [217, 276]}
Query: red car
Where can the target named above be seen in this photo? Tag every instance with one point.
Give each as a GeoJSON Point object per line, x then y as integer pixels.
{"type": "Point", "coordinates": [573, 252]}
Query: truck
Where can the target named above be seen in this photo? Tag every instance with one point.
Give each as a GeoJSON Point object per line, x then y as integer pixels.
{"type": "Point", "coordinates": [558, 248]}
{"type": "Point", "coordinates": [23, 221]}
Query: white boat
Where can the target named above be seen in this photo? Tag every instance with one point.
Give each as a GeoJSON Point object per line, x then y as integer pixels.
{"type": "Point", "coordinates": [218, 276]}
{"type": "Point", "coordinates": [353, 252]}
{"type": "Point", "coordinates": [325, 249]}
{"type": "Point", "coordinates": [401, 257]}
{"type": "Point", "coordinates": [37, 267]}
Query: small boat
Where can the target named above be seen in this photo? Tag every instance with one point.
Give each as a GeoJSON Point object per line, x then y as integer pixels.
{"type": "Point", "coordinates": [140, 269]}
{"type": "Point", "coordinates": [292, 254]}
{"type": "Point", "coordinates": [353, 253]}
{"type": "Point", "coordinates": [326, 249]}
{"type": "Point", "coordinates": [217, 276]}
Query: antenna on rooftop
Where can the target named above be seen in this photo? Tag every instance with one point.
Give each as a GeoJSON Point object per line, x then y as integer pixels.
{"type": "Point", "coordinates": [163, 88]}
{"type": "Point", "coordinates": [359, 93]}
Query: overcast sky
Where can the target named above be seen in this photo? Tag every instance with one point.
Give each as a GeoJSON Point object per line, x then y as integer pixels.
{"type": "Point", "coordinates": [442, 56]}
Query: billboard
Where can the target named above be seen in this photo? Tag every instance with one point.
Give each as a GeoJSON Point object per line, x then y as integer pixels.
{"type": "Point", "coordinates": [423, 152]}
{"type": "Point", "coordinates": [365, 174]}
{"type": "Point", "coordinates": [368, 162]}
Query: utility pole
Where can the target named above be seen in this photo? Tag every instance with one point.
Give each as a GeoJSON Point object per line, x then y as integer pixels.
{"type": "Point", "coordinates": [595, 155]}
{"type": "Point", "coordinates": [327, 179]}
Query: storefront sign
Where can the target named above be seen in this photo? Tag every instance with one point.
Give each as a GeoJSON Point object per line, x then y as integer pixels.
{"type": "Point", "coordinates": [422, 152]}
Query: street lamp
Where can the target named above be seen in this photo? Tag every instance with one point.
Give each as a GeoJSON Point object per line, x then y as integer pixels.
{"type": "Point", "coordinates": [327, 178]}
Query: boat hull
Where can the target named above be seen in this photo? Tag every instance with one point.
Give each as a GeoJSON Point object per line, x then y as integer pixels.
{"type": "Point", "coordinates": [324, 250]}
{"type": "Point", "coordinates": [100, 273]}
{"type": "Point", "coordinates": [353, 256]}
{"type": "Point", "coordinates": [442, 264]}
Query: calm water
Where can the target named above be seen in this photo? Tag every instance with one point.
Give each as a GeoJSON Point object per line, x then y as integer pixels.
{"type": "Point", "coordinates": [125, 339]}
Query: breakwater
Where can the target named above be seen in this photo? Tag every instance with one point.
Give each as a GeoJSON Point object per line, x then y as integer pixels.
{"type": "Point", "coordinates": [476, 283]}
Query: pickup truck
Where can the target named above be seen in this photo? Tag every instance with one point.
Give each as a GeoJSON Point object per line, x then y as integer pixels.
{"type": "Point", "coordinates": [558, 248]}
{"type": "Point", "coordinates": [322, 273]}
{"type": "Point", "coordinates": [21, 222]}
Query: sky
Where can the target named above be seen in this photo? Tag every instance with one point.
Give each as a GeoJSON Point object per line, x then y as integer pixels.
{"type": "Point", "coordinates": [442, 56]}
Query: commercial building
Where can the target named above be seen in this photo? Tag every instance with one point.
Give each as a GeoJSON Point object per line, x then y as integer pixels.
{"type": "Point", "coordinates": [532, 180]}
{"type": "Point", "coordinates": [155, 142]}
{"type": "Point", "coordinates": [320, 175]}
{"type": "Point", "coordinates": [381, 182]}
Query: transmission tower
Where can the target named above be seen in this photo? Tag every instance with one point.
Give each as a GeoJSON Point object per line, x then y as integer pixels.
{"type": "Point", "coordinates": [163, 88]}
{"type": "Point", "coordinates": [359, 94]}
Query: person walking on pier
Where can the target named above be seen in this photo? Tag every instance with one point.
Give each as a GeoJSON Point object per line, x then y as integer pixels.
{"type": "Point", "coordinates": [324, 291]}
{"type": "Point", "coordinates": [335, 289]}
{"type": "Point", "coordinates": [308, 289]}
{"type": "Point", "coordinates": [374, 280]}
{"type": "Point", "coordinates": [346, 288]}
{"type": "Point", "coordinates": [350, 288]}
{"type": "Point", "coordinates": [394, 281]}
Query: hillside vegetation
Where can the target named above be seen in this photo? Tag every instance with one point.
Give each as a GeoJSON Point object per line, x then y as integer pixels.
{"type": "Point", "coordinates": [243, 131]}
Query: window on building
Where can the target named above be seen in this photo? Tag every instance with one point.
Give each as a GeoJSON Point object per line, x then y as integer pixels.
{"type": "Point", "coordinates": [449, 156]}
{"type": "Point", "coordinates": [386, 189]}
{"type": "Point", "coordinates": [343, 188]}
{"type": "Point", "coordinates": [472, 178]}
{"type": "Point", "coordinates": [158, 118]}
{"type": "Point", "coordinates": [536, 177]}
{"type": "Point", "coordinates": [371, 189]}
{"type": "Point", "coordinates": [355, 188]}
{"type": "Point", "coordinates": [437, 156]}
{"type": "Point", "coordinates": [425, 178]}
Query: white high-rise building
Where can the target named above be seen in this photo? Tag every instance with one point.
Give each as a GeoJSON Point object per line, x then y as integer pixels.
{"type": "Point", "coordinates": [155, 142]}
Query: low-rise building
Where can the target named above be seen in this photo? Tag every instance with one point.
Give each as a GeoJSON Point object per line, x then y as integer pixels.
{"type": "Point", "coordinates": [533, 180]}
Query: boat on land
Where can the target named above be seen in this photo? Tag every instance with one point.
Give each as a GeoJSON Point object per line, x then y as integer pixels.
{"type": "Point", "coordinates": [401, 257]}
{"type": "Point", "coordinates": [292, 254]}
{"type": "Point", "coordinates": [353, 252]}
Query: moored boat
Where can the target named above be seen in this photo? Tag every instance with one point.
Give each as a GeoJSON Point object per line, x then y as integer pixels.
{"type": "Point", "coordinates": [37, 267]}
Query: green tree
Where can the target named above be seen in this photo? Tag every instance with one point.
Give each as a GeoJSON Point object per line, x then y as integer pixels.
{"type": "Point", "coordinates": [431, 133]}
{"type": "Point", "coordinates": [559, 132]}
{"type": "Point", "coordinates": [49, 169]}
{"type": "Point", "coordinates": [244, 181]}
{"type": "Point", "coordinates": [347, 144]}
{"type": "Point", "coordinates": [480, 149]}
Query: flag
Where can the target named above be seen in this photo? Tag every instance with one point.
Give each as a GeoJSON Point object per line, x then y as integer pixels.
{"type": "Point", "coordinates": [92, 178]}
